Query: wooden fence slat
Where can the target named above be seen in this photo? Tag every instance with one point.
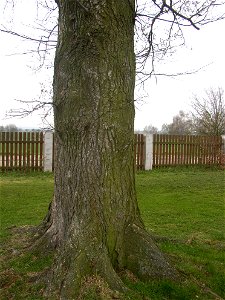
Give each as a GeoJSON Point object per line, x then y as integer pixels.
{"type": "Point", "coordinates": [179, 138]}
{"type": "Point", "coordinates": [156, 150]}
{"type": "Point", "coordinates": [11, 150]}
{"type": "Point", "coordinates": [32, 151]}
{"type": "Point", "coordinates": [173, 137]}
{"type": "Point", "coordinates": [24, 149]}
{"type": "Point", "coordinates": [214, 150]}
{"type": "Point", "coordinates": [7, 151]}
{"type": "Point", "coordinates": [208, 150]}
{"type": "Point", "coordinates": [168, 150]}
{"type": "Point", "coordinates": [190, 150]}
{"type": "Point", "coordinates": [187, 150]}
{"type": "Point", "coordinates": [163, 149]}
{"type": "Point", "coordinates": [179, 146]}
{"type": "Point", "coordinates": [191, 147]}
{"type": "Point", "coordinates": [178, 149]}
{"type": "Point", "coordinates": [172, 149]}
{"type": "Point", "coordinates": [218, 149]}
{"type": "Point", "coordinates": [3, 150]}
{"type": "Point", "coordinates": [175, 150]}
{"type": "Point", "coordinates": [207, 153]}
{"type": "Point", "coordinates": [205, 150]}
{"type": "Point", "coordinates": [37, 145]}
{"type": "Point", "coordinates": [15, 149]}
{"type": "Point", "coordinates": [196, 150]}
{"type": "Point", "coordinates": [181, 150]}
{"type": "Point", "coordinates": [28, 149]}
{"type": "Point", "coordinates": [201, 150]}
{"type": "Point", "coordinates": [41, 140]}
{"type": "Point", "coordinates": [160, 150]}
{"type": "Point", "coordinates": [184, 149]}
{"type": "Point", "coordinates": [153, 151]}
{"type": "Point", "coordinates": [20, 150]}
{"type": "Point", "coordinates": [165, 152]}
{"type": "Point", "coordinates": [193, 159]}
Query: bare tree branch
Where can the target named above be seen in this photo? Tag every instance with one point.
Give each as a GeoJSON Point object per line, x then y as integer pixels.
{"type": "Point", "coordinates": [209, 112]}
{"type": "Point", "coordinates": [173, 17]}
{"type": "Point", "coordinates": [159, 28]}
{"type": "Point", "coordinates": [41, 40]}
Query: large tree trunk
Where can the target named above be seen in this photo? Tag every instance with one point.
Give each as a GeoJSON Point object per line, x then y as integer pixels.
{"type": "Point", "coordinates": [94, 221]}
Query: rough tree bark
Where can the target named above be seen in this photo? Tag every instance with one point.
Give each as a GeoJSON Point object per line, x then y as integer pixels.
{"type": "Point", "coordinates": [94, 221]}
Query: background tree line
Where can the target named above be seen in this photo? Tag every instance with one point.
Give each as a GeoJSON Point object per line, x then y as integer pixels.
{"type": "Point", "coordinates": [14, 128]}
{"type": "Point", "coordinates": [206, 118]}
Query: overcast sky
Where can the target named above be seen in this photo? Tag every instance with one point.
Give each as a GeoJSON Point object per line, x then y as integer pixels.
{"type": "Point", "coordinates": [164, 96]}
{"type": "Point", "coordinates": [169, 95]}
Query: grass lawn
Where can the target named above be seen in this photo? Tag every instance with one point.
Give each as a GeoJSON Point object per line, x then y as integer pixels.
{"type": "Point", "coordinates": [187, 207]}
{"type": "Point", "coordinates": [183, 208]}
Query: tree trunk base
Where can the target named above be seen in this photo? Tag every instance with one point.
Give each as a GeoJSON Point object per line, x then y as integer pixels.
{"type": "Point", "coordinates": [87, 261]}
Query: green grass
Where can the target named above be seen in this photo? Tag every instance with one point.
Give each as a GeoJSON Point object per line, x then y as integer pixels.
{"type": "Point", "coordinates": [183, 203]}
{"type": "Point", "coordinates": [183, 206]}
{"type": "Point", "coordinates": [24, 201]}
{"type": "Point", "coordinates": [187, 207]}
{"type": "Point", "coordinates": [24, 198]}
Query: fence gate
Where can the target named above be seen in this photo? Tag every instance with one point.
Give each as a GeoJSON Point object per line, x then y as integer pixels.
{"type": "Point", "coordinates": [21, 151]}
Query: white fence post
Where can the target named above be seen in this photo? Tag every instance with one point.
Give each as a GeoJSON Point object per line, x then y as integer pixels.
{"type": "Point", "coordinates": [223, 144]}
{"type": "Point", "coordinates": [48, 151]}
{"type": "Point", "coordinates": [148, 151]}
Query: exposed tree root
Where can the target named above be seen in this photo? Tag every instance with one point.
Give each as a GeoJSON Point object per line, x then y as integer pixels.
{"type": "Point", "coordinates": [144, 258]}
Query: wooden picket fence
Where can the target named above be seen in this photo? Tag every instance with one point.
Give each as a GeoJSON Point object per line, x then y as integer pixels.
{"type": "Point", "coordinates": [24, 151]}
{"type": "Point", "coordinates": [21, 151]}
{"type": "Point", "coordinates": [174, 150]}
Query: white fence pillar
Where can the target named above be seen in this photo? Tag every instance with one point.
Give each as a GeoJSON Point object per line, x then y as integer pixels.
{"type": "Point", "coordinates": [148, 151]}
{"type": "Point", "coordinates": [223, 144]}
{"type": "Point", "coordinates": [48, 151]}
